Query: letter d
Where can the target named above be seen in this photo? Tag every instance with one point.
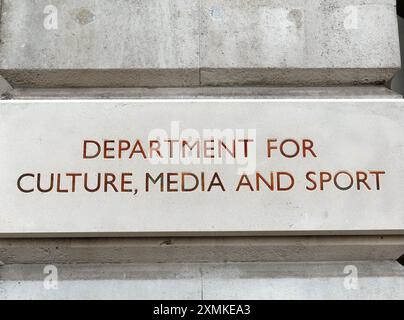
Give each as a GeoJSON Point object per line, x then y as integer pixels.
{"type": "Point", "coordinates": [279, 181]}
{"type": "Point", "coordinates": [86, 152]}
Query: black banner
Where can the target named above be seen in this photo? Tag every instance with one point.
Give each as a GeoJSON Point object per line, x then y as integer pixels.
{"type": "Point", "coordinates": [202, 309]}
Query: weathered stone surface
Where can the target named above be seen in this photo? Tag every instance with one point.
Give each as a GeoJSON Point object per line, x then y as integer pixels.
{"type": "Point", "coordinates": [358, 138]}
{"type": "Point", "coordinates": [298, 41]}
{"type": "Point", "coordinates": [332, 92]}
{"type": "Point", "coordinates": [337, 280]}
{"type": "Point", "coordinates": [191, 43]}
{"type": "Point", "coordinates": [100, 43]}
{"type": "Point", "coordinates": [200, 249]}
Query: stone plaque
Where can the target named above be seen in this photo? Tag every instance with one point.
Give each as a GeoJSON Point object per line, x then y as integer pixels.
{"type": "Point", "coordinates": [201, 167]}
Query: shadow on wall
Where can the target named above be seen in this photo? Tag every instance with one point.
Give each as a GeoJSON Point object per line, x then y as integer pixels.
{"type": "Point", "coordinates": [398, 81]}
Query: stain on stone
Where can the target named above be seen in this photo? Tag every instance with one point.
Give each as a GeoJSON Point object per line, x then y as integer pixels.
{"type": "Point", "coordinates": [83, 16]}
{"type": "Point", "coordinates": [216, 13]}
{"type": "Point", "coordinates": [6, 96]}
{"type": "Point", "coordinates": [166, 243]}
{"type": "Point", "coordinates": [296, 16]}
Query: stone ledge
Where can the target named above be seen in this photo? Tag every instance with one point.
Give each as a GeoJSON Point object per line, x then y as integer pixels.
{"type": "Point", "coordinates": [341, 92]}
{"type": "Point", "coordinates": [201, 249]}
{"type": "Point", "coordinates": [296, 76]}
{"type": "Point", "coordinates": [74, 78]}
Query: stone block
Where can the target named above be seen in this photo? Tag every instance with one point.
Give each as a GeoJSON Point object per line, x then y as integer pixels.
{"type": "Point", "coordinates": [283, 42]}
{"type": "Point", "coordinates": [100, 43]}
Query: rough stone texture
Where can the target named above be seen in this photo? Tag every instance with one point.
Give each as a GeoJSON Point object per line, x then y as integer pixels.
{"type": "Point", "coordinates": [217, 249]}
{"type": "Point", "coordinates": [375, 280]}
{"type": "Point", "coordinates": [101, 43]}
{"type": "Point", "coordinates": [241, 40]}
{"type": "Point", "coordinates": [195, 42]}
{"type": "Point", "coordinates": [356, 92]}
